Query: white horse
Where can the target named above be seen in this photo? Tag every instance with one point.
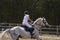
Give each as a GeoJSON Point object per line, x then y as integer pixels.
{"type": "Point", "coordinates": [18, 30]}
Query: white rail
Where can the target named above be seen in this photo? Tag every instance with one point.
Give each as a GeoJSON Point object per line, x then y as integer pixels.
{"type": "Point", "coordinates": [51, 30]}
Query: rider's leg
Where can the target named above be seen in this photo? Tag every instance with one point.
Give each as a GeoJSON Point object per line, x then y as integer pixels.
{"type": "Point", "coordinates": [29, 28]}
{"type": "Point", "coordinates": [31, 32]}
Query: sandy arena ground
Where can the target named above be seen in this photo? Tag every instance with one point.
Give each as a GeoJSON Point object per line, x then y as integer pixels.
{"type": "Point", "coordinates": [43, 37]}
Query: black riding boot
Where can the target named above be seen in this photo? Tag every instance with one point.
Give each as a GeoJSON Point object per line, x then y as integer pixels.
{"type": "Point", "coordinates": [31, 32]}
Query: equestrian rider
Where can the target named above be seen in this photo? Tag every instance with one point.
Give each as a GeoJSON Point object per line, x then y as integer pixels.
{"type": "Point", "coordinates": [25, 22]}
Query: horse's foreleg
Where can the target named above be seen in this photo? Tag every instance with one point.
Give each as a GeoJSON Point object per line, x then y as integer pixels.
{"type": "Point", "coordinates": [38, 38]}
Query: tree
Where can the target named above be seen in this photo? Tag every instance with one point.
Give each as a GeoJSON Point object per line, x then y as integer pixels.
{"type": "Point", "coordinates": [13, 10]}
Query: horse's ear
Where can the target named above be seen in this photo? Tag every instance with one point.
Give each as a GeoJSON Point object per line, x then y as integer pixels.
{"type": "Point", "coordinates": [43, 18]}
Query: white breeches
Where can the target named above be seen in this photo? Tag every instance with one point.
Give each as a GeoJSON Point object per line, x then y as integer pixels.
{"type": "Point", "coordinates": [27, 24]}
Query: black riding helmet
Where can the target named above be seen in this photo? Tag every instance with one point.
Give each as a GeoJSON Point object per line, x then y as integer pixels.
{"type": "Point", "coordinates": [26, 12]}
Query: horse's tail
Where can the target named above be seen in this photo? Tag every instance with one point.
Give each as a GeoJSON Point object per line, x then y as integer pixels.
{"type": "Point", "coordinates": [3, 33]}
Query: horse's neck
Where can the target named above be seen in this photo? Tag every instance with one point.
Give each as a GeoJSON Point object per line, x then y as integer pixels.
{"type": "Point", "coordinates": [37, 23]}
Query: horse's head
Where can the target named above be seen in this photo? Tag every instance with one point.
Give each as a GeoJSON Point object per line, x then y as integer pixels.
{"type": "Point", "coordinates": [40, 22]}
{"type": "Point", "coordinates": [45, 22]}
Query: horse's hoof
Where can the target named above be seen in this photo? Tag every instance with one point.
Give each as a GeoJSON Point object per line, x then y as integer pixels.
{"type": "Point", "coordinates": [40, 39]}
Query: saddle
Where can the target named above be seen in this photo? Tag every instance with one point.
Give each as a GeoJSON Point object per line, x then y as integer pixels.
{"type": "Point", "coordinates": [27, 28]}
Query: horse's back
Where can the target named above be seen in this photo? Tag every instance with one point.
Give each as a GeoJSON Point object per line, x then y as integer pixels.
{"type": "Point", "coordinates": [17, 27]}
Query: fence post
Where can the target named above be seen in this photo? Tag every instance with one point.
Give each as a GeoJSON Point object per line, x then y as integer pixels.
{"type": "Point", "coordinates": [57, 30]}
{"type": "Point", "coordinates": [2, 28]}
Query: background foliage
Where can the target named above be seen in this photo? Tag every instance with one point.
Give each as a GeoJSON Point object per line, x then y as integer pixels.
{"type": "Point", "coordinates": [12, 11]}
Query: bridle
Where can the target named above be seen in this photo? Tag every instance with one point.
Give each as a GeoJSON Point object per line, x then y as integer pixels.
{"type": "Point", "coordinates": [44, 21]}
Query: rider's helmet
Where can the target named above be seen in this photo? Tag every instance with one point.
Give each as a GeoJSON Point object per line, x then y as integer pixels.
{"type": "Point", "coordinates": [26, 12]}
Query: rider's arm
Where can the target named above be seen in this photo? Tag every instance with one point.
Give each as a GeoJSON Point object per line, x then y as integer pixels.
{"type": "Point", "coordinates": [30, 19]}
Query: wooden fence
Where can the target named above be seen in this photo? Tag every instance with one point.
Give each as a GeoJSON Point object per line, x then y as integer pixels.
{"type": "Point", "coordinates": [4, 26]}
{"type": "Point", "coordinates": [50, 30]}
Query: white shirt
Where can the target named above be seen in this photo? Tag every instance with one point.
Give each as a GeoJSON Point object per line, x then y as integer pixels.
{"type": "Point", "coordinates": [25, 19]}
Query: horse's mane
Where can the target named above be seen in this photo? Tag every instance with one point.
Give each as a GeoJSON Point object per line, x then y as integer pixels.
{"type": "Point", "coordinates": [36, 20]}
